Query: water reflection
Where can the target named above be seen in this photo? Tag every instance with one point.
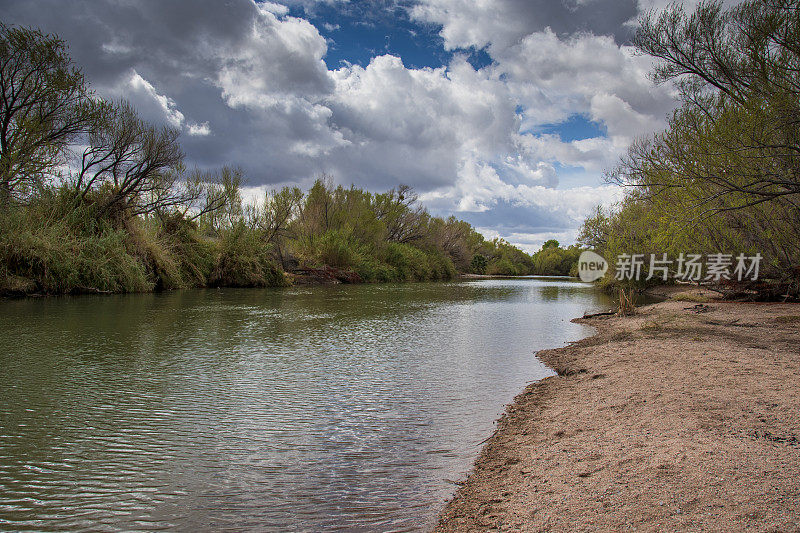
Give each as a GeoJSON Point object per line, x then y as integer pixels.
{"type": "Point", "coordinates": [297, 409]}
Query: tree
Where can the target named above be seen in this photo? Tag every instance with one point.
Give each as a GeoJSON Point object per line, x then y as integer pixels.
{"type": "Point", "coordinates": [138, 164]}
{"type": "Point", "coordinates": [45, 105]}
{"type": "Point", "coordinates": [398, 209]}
{"type": "Point", "coordinates": [736, 134]}
{"type": "Point", "coordinates": [203, 195]}
{"type": "Point", "coordinates": [595, 230]}
{"type": "Point", "coordinates": [274, 217]}
{"type": "Point", "coordinates": [725, 175]}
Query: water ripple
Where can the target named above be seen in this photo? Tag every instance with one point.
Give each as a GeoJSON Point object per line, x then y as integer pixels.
{"type": "Point", "coordinates": [335, 408]}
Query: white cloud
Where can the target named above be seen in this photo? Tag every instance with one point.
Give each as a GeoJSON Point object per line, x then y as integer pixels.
{"type": "Point", "coordinates": [543, 173]}
{"type": "Point", "coordinates": [479, 187]}
{"type": "Point", "coordinates": [468, 23]}
{"type": "Point", "coordinates": [276, 9]}
{"type": "Point", "coordinates": [158, 108]}
{"type": "Point", "coordinates": [199, 130]}
{"type": "Point", "coordinates": [279, 60]}
{"type": "Point", "coordinates": [554, 78]}
{"type": "Point", "coordinates": [141, 90]}
{"type": "Point", "coordinates": [455, 107]}
{"type": "Point", "coordinates": [416, 125]}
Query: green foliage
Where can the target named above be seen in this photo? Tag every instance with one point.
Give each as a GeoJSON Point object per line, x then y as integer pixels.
{"type": "Point", "coordinates": [441, 266]}
{"type": "Point", "coordinates": [336, 250]}
{"type": "Point", "coordinates": [371, 270]}
{"type": "Point", "coordinates": [552, 260]}
{"type": "Point", "coordinates": [45, 106]}
{"type": "Point", "coordinates": [503, 259]}
{"type": "Point", "coordinates": [478, 264]}
{"type": "Point", "coordinates": [503, 267]}
{"type": "Point", "coordinates": [722, 178]}
{"type": "Point", "coordinates": [410, 263]}
{"type": "Point", "coordinates": [244, 261]}
{"type": "Point", "coordinates": [57, 255]}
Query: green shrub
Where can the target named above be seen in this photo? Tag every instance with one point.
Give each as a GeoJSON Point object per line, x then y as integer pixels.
{"type": "Point", "coordinates": [337, 250]}
{"type": "Point", "coordinates": [441, 266]}
{"type": "Point", "coordinates": [502, 267]}
{"type": "Point", "coordinates": [410, 263]}
{"type": "Point", "coordinates": [243, 260]}
{"type": "Point", "coordinates": [478, 264]}
{"type": "Point", "coordinates": [371, 270]}
{"type": "Point", "coordinates": [59, 260]}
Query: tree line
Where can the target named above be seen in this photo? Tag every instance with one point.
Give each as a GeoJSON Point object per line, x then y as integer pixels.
{"type": "Point", "coordinates": [95, 199]}
{"type": "Point", "coordinates": [724, 176]}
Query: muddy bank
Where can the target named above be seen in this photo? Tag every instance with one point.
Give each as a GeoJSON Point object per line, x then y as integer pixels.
{"type": "Point", "coordinates": [683, 417]}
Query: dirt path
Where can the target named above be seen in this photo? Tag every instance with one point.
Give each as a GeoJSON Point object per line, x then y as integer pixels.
{"type": "Point", "coordinates": [670, 420]}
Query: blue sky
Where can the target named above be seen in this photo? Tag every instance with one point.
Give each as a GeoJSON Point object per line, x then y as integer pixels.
{"type": "Point", "coordinates": [503, 113]}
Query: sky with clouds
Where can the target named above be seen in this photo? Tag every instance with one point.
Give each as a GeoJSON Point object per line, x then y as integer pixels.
{"type": "Point", "coordinates": [502, 112]}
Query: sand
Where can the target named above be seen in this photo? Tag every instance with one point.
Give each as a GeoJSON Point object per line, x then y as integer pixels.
{"type": "Point", "coordinates": [674, 419]}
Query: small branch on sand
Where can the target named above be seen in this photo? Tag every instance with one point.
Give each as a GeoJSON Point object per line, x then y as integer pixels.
{"type": "Point", "coordinates": [602, 313]}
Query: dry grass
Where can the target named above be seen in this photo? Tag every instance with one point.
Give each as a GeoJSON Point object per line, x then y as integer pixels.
{"type": "Point", "coordinates": [626, 305]}
{"type": "Point", "coordinates": [690, 297]}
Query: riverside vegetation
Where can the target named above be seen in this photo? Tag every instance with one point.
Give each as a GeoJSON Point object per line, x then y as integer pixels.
{"type": "Point", "coordinates": [94, 199]}
{"type": "Point", "coordinates": [724, 177]}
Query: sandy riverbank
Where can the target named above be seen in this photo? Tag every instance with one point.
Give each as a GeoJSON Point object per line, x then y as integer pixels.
{"type": "Point", "coordinates": [671, 420]}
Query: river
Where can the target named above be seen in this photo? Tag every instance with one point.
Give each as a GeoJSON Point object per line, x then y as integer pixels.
{"type": "Point", "coordinates": [350, 407]}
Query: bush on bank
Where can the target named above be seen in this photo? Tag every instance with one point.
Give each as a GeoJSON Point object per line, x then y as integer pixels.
{"type": "Point", "coordinates": [95, 199]}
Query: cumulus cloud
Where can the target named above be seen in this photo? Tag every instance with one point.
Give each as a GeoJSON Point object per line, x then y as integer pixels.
{"type": "Point", "coordinates": [502, 23]}
{"type": "Point", "coordinates": [417, 125]}
{"type": "Point", "coordinates": [554, 78]}
{"type": "Point", "coordinates": [200, 130]}
{"type": "Point", "coordinates": [467, 138]}
{"type": "Point", "coordinates": [277, 59]}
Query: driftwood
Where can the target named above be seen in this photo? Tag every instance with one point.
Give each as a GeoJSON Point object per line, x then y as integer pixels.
{"type": "Point", "coordinates": [602, 313]}
{"type": "Point", "coordinates": [90, 290]}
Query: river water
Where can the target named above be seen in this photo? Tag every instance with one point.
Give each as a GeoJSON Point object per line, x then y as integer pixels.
{"type": "Point", "coordinates": [302, 409]}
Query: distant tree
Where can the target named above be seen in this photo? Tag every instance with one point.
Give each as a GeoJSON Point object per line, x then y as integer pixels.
{"type": "Point", "coordinates": [552, 243]}
{"type": "Point", "coordinates": [274, 216]}
{"type": "Point", "coordinates": [212, 196]}
{"type": "Point", "coordinates": [45, 106]}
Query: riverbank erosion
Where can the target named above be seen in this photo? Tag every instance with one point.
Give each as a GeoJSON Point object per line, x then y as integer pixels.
{"type": "Point", "coordinates": [683, 417]}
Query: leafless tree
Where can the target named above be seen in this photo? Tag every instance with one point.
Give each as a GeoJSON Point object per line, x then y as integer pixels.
{"type": "Point", "coordinates": [136, 165]}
